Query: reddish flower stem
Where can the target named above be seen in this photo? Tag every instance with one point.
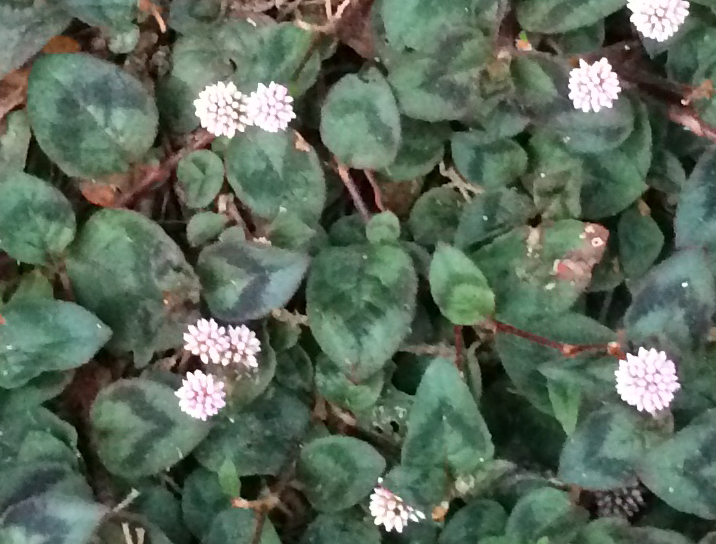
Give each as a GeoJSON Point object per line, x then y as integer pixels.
{"type": "Point", "coordinates": [458, 347]}
{"type": "Point", "coordinates": [353, 191]}
{"type": "Point", "coordinates": [377, 195]}
{"type": "Point", "coordinates": [568, 350]}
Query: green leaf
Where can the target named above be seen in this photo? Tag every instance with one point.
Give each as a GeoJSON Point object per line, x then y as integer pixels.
{"type": "Point", "coordinates": [492, 165]}
{"type": "Point", "coordinates": [541, 271]}
{"type": "Point", "coordinates": [237, 525]}
{"type": "Point", "coordinates": [261, 436]}
{"type": "Point", "coordinates": [51, 518]}
{"type": "Point", "coordinates": [546, 512]}
{"type": "Point", "coordinates": [491, 213]}
{"type": "Point", "coordinates": [417, 24]}
{"type": "Point", "coordinates": [139, 429]}
{"type": "Point", "coordinates": [695, 222]}
{"type": "Point", "coordinates": [200, 176]}
{"type": "Point", "coordinates": [439, 84]}
{"type": "Point", "coordinates": [45, 216]}
{"type": "Point", "coordinates": [89, 116]}
{"type": "Point", "coordinates": [205, 227]}
{"type": "Point", "coordinates": [640, 242]}
{"type": "Point", "coordinates": [26, 29]}
{"type": "Point", "coordinates": [25, 480]}
{"type": "Point", "coordinates": [346, 527]}
{"type": "Point", "coordinates": [14, 143]}
{"type": "Point", "coordinates": [360, 123]}
{"type": "Point", "coordinates": [44, 335]}
{"type": "Point", "coordinates": [445, 428]}
{"type": "Point", "coordinates": [422, 146]}
{"type": "Point", "coordinates": [161, 507]}
{"type": "Point", "coordinates": [434, 216]}
{"type": "Point", "coordinates": [553, 16]}
{"type": "Point", "coordinates": [475, 521]}
{"type": "Point", "coordinates": [274, 171]}
{"type": "Point", "coordinates": [383, 228]}
{"type": "Point", "coordinates": [116, 14]}
{"type": "Point", "coordinates": [277, 55]}
{"type": "Point", "coordinates": [360, 303]}
{"type": "Point", "coordinates": [566, 399]}
{"type": "Point", "coordinates": [245, 280]}
{"type": "Point", "coordinates": [340, 389]}
{"type": "Point", "coordinates": [674, 303]}
{"type": "Point", "coordinates": [615, 179]}
{"type": "Point", "coordinates": [338, 471]}
{"type": "Point", "coordinates": [125, 269]}
{"type": "Point", "coordinates": [201, 500]}
{"type": "Point", "coordinates": [604, 451]}
{"type": "Point", "coordinates": [681, 470]}
{"type": "Point", "coordinates": [459, 288]}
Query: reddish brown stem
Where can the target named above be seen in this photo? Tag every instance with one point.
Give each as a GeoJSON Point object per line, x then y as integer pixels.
{"type": "Point", "coordinates": [377, 194]}
{"type": "Point", "coordinates": [458, 347]}
{"type": "Point", "coordinates": [353, 191]}
{"type": "Point", "coordinates": [568, 350]}
{"type": "Point", "coordinates": [156, 176]}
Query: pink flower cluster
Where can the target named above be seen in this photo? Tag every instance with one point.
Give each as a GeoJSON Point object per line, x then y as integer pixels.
{"type": "Point", "coordinates": [223, 110]}
{"type": "Point", "coordinates": [658, 19]}
{"type": "Point", "coordinates": [202, 395]}
{"type": "Point", "coordinates": [390, 510]}
{"type": "Point", "coordinates": [647, 380]}
{"type": "Point", "coordinates": [593, 86]}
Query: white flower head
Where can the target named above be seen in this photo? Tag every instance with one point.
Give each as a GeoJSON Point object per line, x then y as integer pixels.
{"type": "Point", "coordinates": [201, 396]}
{"type": "Point", "coordinates": [244, 346]}
{"type": "Point", "coordinates": [658, 19]}
{"type": "Point", "coordinates": [593, 86]}
{"type": "Point", "coordinates": [269, 107]}
{"type": "Point", "coordinates": [207, 340]}
{"type": "Point", "coordinates": [219, 109]}
{"type": "Point", "coordinates": [647, 380]}
{"type": "Point", "coordinates": [390, 510]}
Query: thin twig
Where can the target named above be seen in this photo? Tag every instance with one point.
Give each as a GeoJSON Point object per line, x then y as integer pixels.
{"type": "Point", "coordinates": [688, 118]}
{"type": "Point", "coordinates": [377, 194]}
{"type": "Point", "coordinates": [353, 191]}
{"type": "Point", "coordinates": [458, 347]}
{"type": "Point", "coordinates": [438, 350]}
{"type": "Point", "coordinates": [568, 350]}
{"type": "Point", "coordinates": [156, 176]}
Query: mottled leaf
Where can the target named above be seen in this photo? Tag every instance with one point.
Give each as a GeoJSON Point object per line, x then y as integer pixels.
{"type": "Point", "coordinates": [246, 280]}
{"type": "Point", "coordinates": [89, 116]}
{"type": "Point", "coordinates": [338, 471]}
{"type": "Point", "coordinates": [43, 335]}
{"type": "Point", "coordinates": [36, 220]}
{"type": "Point", "coordinates": [360, 123]}
{"type": "Point", "coordinates": [129, 272]}
{"type": "Point", "coordinates": [360, 303]}
{"type": "Point", "coordinates": [271, 172]}
{"type": "Point", "coordinates": [139, 430]}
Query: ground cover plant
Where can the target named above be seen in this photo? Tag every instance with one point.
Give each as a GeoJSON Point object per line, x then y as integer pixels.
{"type": "Point", "coordinates": [357, 271]}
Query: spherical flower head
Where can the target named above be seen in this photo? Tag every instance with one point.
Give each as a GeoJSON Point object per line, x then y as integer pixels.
{"type": "Point", "coordinates": [244, 346]}
{"type": "Point", "coordinates": [647, 380]}
{"type": "Point", "coordinates": [201, 396]}
{"type": "Point", "coordinates": [207, 340]}
{"type": "Point", "coordinates": [623, 502]}
{"type": "Point", "coordinates": [269, 107]}
{"type": "Point", "coordinates": [390, 510]}
{"type": "Point", "coordinates": [593, 86]}
{"type": "Point", "coordinates": [218, 109]}
{"type": "Point", "coordinates": [658, 19]}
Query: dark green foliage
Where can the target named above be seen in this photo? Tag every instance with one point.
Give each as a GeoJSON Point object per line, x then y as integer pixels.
{"type": "Point", "coordinates": [420, 292]}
